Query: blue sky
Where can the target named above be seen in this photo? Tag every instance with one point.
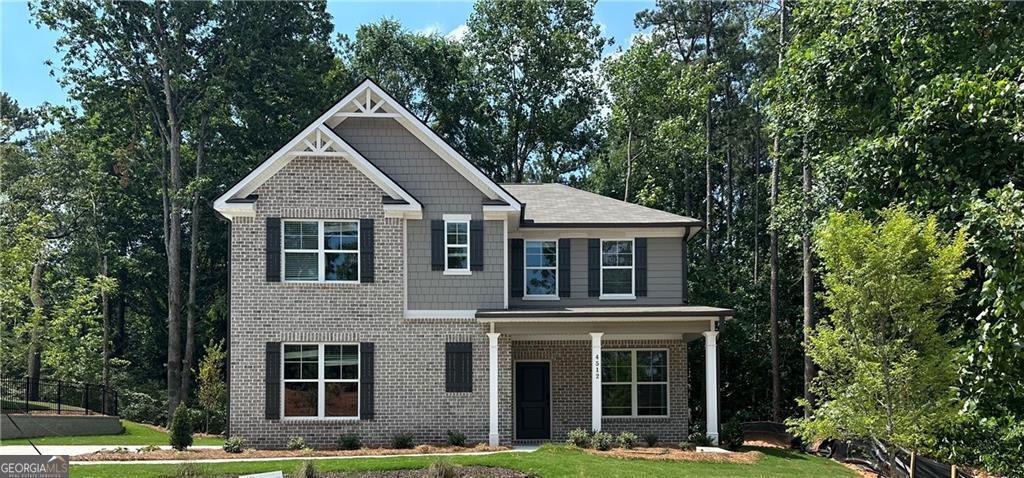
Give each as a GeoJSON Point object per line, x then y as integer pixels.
{"type": "Point", "coordinates": [24, 49]}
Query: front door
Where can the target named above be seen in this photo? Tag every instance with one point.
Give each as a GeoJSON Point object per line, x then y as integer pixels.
{"type": "Point", "coordinates": [533, 401]}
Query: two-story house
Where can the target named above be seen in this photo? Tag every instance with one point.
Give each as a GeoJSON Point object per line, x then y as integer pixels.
{"type": "Point", "coordinates": [382, 284]}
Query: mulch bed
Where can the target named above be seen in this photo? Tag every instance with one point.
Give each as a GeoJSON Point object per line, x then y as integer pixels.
{"type": "Point", "coordinates": [212, 454]}
{"type": "Point", "coordinates": [677, 454]}
{"type": "Point", "coordinates": [462, 471]}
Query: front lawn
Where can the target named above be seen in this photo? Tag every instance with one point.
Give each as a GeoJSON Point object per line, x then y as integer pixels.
{"type": "Point", "coordinates": [549, 461]}
{"type": "Point", "coordinates": [134, 434]}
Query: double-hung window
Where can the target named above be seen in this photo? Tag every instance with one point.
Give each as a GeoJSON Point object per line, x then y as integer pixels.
{"type": "Point", "coordinates": [456, 244]}
{"type": "Point", "coordinates": [321, 381]}
{"type": "Point", "coordinates": [617, 268]}
{"type": "Point", "coordinates": [541, 269]}
{"type": "Point", "coordinates": [634, 383]}
{"type": "Point", "coordinates": [321, 251]}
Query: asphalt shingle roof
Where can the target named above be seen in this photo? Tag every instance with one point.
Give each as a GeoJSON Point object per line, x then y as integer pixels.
{"type": "Point", "coordinates": [558, 204]}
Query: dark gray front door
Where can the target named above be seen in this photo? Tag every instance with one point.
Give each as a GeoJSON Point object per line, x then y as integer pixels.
{"type": "Point", "coordinates": [533, 401]}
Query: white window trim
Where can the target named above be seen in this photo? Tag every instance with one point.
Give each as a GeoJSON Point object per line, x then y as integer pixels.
{"type": "Point", "coordinates": [321, 252]}
{"type": "Point", "coordinates": [526, 272]}
{"type": "Point", "coordinates": [321, 381]}
{"type": "Point", "coordinates": [457, 219]}
{"type": "Point", "coordinates": [633, 383]}
{"type": "Point", "coordinates": [632, 271]}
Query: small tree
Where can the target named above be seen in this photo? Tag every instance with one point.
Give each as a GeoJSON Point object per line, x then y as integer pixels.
{"type": "Point", "coordinates": [181, 428]}
{"type": "Point", "coordinates": [887, 374]}
{"type": "Point", "coordinates": [211, 381]}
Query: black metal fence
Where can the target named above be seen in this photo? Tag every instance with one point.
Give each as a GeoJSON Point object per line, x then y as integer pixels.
{"type": "Point", "coordinates": [49, 397]}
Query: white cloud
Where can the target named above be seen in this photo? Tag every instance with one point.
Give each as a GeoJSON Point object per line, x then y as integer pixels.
{"type": "Point", "coordinates": [432, 29]}
{"type": "Point", "coordinates": [458, 33]}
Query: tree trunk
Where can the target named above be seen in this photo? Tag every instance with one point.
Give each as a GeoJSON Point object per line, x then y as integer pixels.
{"type": "Point", "coordinates": [173, 238]}
{"type": "Point", "coordinates": [774, 250]}
{"type": "Point", "coordinates": [805, 240]}
{"type": "Point", "coordinates": [35, 335]}
{"type": "Point", "coordinates": [105, 304]}
{"type": "Point", "coordinates": [707, 139]}
{"type": "Point", "coordinates": [193, 269]}
{"type": "Point", "coordinates": [629, 163]}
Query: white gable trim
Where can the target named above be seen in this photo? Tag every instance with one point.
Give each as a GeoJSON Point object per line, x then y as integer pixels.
{"type": "Point", "coordinates": [353, 104]}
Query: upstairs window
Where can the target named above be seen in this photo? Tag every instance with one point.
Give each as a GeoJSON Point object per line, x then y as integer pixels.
{"type": "Point", "coordinates": [321, 251]}
{"type": "Point", "coordinates": [541, 268]}
{"type": "Point", "coordinates": [617, 268]}
{"type": "Point", "coordinates": [456, 246]}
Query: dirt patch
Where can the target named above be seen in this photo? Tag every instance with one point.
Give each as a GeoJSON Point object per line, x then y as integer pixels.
{"type": "Point", "coordinates": [676, 454]}
{"type": "Point", "coordinates": [212, 454]}
{"type": "Point", "coordinates": [462, 471]}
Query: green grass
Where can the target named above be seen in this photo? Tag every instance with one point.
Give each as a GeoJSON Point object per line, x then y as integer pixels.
{"type": "Point", "coordinates": [549, 461]}
{"type": "Point", "coordinates": [134, 434]}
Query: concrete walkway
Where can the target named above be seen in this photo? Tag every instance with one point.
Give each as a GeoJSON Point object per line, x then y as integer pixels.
{"type": "Point", "coordinates": [83, 449]}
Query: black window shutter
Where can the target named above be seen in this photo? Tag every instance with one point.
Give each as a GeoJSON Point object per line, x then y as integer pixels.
{"type": "Point", "coordinates": [437, 245]}
{"type": "Point", "coordinates": [593, 267]}
{"type": "Point", "coordinates": [273, 249]}
{"type": "Point", "coordinates": [366, 250]}
{"type": "Point", "coordinates": [366, 360]}
{"type": "Point", "coordinates": [458, 367]}
{"type": "Point", "coordinates": [640, 274]}
{"type": "Point", "coordinates": [476, 245]}
{"type": "Point", "coordinates": [515, 250]}
{"type": "Point", "coordinates": [273, 385]}
{"type": "Point", "coordinates": [563, 268]}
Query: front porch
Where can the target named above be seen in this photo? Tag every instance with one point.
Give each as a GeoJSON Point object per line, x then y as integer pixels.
{"type": "Point", "coordinates": [608, 369]}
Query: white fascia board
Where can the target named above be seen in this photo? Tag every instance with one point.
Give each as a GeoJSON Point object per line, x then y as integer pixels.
{"type": "Point", "coordinates": [233, 210]}
{"type": "Point", "coordinates": [442, 149]}
{"type": "Point", "coordinates": [585, 320]}
{"type": "Point", "coordinates": [440, 314]}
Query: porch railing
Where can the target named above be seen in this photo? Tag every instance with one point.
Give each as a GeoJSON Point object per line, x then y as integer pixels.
{"type": "Point", "coordinates": [56, 397]}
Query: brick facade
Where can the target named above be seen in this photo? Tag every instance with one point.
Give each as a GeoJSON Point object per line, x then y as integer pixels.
{"type": "Point", "coordinates": [570, 387]}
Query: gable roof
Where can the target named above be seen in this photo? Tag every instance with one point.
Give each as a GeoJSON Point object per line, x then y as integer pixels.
{"type": "Point", "coordinates": [555, 205]}
{"type": "Point", "coordinates": [319, 140]}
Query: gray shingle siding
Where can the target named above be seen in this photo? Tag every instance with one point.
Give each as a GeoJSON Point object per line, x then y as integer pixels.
{"type": "Point", "coordinates": [441, 190]}
{"type": "Point", "coordinates": [664, 280]}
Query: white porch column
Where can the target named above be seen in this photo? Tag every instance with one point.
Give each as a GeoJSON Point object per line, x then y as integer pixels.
{"type": "Point", "coordinates": [711, 383]}
{"type": "Point", "coordinates": [493, 388]}
{"type": "Point", "coordinates": [595, 380]}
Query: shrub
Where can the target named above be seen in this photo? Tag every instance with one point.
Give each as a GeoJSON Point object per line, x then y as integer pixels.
{"type": "Point", "coordinates": [402, 441]}
{"type": "Point", "coordinates": [442, 469]}
{"type": "Point", "coordinates": [181, 428]}
{"type": "Point", "coordinates": [235, 444]}
{"type": "Point", "coordinates": [699, 439]}
{"type": "Point", "coordinates": [688, 446]}
{"type": "Point", "coordinates": [349, 441]}
{"type": "Point", "coordinates": [149, 448]}
{"type": "Point", "coordinates": [602, 441]}
{"type": "Point", "coordinates": [732, 435]}
{"type": "Point", "coordinates": [297, 443]}
{"type": "Point", "coordinates": [142, 408]}
{"type": "Point", "coordinates": [651, 439]}
{"type": "Point", "coordinates": [579, 437]}
{"type": "Point", "coordinates": [627, 440]}
{"type": "Point", "coordinates": [456, 438]}
{"type": "Point", "coordinates": [306, 470]}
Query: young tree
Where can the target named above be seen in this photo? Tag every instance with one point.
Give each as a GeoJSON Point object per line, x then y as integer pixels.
{"type": "Point", "coordinates": [887, 373]}
{"type": "Point", "coordinates": [211, 380]}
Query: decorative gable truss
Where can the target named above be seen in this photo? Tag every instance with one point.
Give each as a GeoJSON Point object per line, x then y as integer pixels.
{"type": "Point", "coordinates": [319, 140]}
